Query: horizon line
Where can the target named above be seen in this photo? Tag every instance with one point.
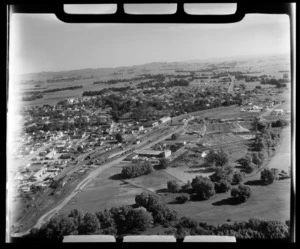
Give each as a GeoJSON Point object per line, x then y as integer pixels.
{"type": "Point", "coordinates": [153, 62]}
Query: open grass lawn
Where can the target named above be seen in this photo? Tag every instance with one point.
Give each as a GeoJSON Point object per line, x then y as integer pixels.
{"type": "Point", "coordinates": [154, 181]}
{"type": "Point", "coordinates": [105, 191]}
{"type": "Point", "coordinates": [187, 173]}
{"type": "Point", "coordinates": [267, 202]}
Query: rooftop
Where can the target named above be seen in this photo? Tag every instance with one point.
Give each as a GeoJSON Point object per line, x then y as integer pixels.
{"type": "Point", "coordinates": [148, 152]}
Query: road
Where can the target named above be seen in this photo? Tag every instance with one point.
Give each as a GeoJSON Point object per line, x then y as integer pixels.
{"type": "Point", "coordinates": [144, 144]}
{"type": "Point", "coordinates": [231, 85]}
{"type": "Point", "coordinates": [282, 159]}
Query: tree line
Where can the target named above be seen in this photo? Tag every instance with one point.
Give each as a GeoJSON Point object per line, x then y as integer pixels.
{"type": "Point", "coordinates": [149, 211]}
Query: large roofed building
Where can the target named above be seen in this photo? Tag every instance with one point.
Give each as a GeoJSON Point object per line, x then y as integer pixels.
{"type": "Point", "coordinates": [153, 153]}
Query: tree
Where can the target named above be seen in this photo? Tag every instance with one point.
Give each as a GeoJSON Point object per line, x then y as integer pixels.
{"type": "Point", "coordinates": [174, 136]}
{"type": "Point", "coordinates": [237, 178]}
{"type": "Point", "coordinates": [80, 148]}
{"type": "Point", "coordinates": [279, 123]}
{"type": "Point", "coordinates": [134, 170]}
{"type": "Point", "coordinates": [256, 159]}
{"type": "Point", "coordinates": [139, 219]}
{"type": "Point", "coordinates": [242, 193]}
{"type": "Point", "coordinates": [187, 187]}
{"type": "Point", "coordinates": [222, 174]}
{"type": "Point", "coordinates": [203, 187]}
{"type": "Point", "coordinates": [119, 138]}
{"type": "Point", "coordinates": [268, 176]}
{"type": "Point", "coordinates": [120, 216]}
{"type": "Point", "coordinates": [173, 186]}
{"type": "Point", "coordinates": [219, 158]}
{"type": "Point", "coordinates": [183, 198]}
{"type": "Point", "coordinates": [90, 224]}
{"type": "Point", "coordinates": [222, 186]}
{"type": "Point", "coordinates": [58, 227]}
{"type": "Point", "coordinates": [105, 218]}
{"type": "Point", "coordinates": [164, 163]}
{"type": "Point", "coordinates": [247, 163]}
{"type": "Point", "coordinates": [77, 214]}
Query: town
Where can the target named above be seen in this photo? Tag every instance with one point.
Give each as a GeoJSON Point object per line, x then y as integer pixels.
{"type": "Point", "coordinates": [164, 118]}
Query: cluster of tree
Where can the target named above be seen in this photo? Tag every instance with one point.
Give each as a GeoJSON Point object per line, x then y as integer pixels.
{"type": "Point", "coordinates": [268, 176]}
{"type": "Point", "coordinates": [156, 77]}
{"type": "Point", "coordinates": [278, 83]}
{"type": "Point", "coordinates": [79, 77]}
{"type": "Point", "coordinates": [203, 187]}
{"type": "Point", "coordinates": [124, 219]}
{"type": "Point", "coordinates": [177, 82]}
{"type": "Point", "coordinates": [105, 90]}
{"type": "Point", "coordinates": [164, 163]}
{"type": "Point", "coordinates": [119, 106]}
{"type": "Point", "coordinates": [279, 123]}
{"type": "Point", "coordinates": [247, 78]}
{"type": "Point", "coordinates": [216, 157]}
{"type": "Point", "coordinates": [161, 214]}
{"type": "Point", "coordinates": [267, 141]}
{"type": "Point", "coordinates": [241, 193]}
{"type": "Point", "coordinates": [151, 212]}
{"type": "Point", "coordinates": [220, 181]}
{"type": "Point", "coordinates": [61, 89]}
{"type": "Point", "coordinates": [75, 223]}
{"type": "Point", "coordinates": [252, 160]}
{"type": "Point", "coordinates": [116, 81]}
{"type": "Point", "coordinates": [134, 170]}
{"type": "Point", "coordinates": [33, 97]}
{"type": "Point", "coordinates": [252, 229]}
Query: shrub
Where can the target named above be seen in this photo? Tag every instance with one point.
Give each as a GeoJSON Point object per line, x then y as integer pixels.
{"type": "Point", "coordinates": [183, 198]}
{"type": "Point", "coordinates": [173, 186]}
{"type": "Point", "coordinates": [223, 186]}
{"type": "Point", "coordinates": [203, 187]}
{"type": "Point", "coordinates": [242, 193]}
{"type": "Point", "coordinates": [142, 168]}
{"type": "Point", "coordinates": [268, 176]}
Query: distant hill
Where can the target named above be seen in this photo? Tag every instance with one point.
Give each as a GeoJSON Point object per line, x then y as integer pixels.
{"type": "Point", "coordinates": [161, 67]}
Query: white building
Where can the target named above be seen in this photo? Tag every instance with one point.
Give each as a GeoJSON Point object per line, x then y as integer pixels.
{"type": "Point", "coordinates": [164, 119]}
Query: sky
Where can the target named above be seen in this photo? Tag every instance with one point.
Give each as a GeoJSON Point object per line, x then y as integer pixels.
{"type": "Point", "coordinates": [41, 42]}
